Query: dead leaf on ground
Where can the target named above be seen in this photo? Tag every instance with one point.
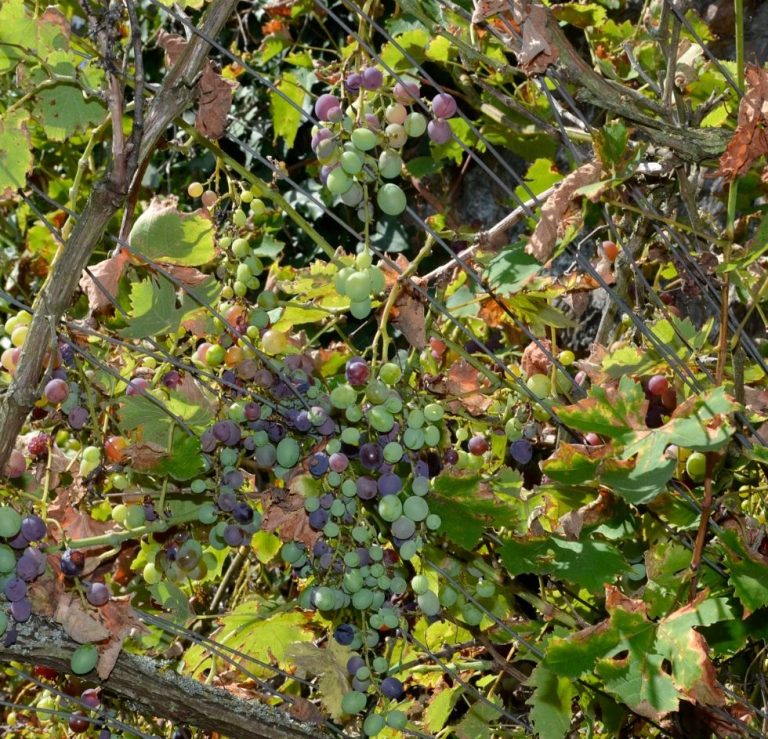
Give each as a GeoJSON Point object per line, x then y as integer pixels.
{"type": "Point", "coordinates": [750, 140]}
{"type": "Point", "coordinates": [215, 92]}
{"type": "Point", "coordinates": [102, 282]}
{"type": "Point", "coordinates": [551, 222]}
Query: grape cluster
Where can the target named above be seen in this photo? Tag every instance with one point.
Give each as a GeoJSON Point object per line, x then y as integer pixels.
{"type": "Point", "coordinates": [363, 131]}
{"type": "Point", "coordinates": [360, 283]}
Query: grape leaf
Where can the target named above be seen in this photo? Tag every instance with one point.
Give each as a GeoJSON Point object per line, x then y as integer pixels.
{"type": "Point", "coordinates": [440, 708]}
{"type": "Point", "coordinates": [511, 269]}
{"type": "Point", "coordinates": [163, 233]}
{"type": "Point", "coordinates": [551, 702]}
{"type": "Point", "coordinates": [330, 667]}
{"type": "Point", "coordinates": [15, 152]}
{"type": "Point", "coordinates": [153, 308]}
{"type": "Point", "coordinates": [64, 111]}
{"type": "Point", "coordinates": [287, 117]}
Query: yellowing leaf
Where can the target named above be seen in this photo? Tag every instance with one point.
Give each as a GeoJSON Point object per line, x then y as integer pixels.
{"type": "Point", "coordinates": [15, 152]}
{"type": "Point", "coordinates": [329, 665]}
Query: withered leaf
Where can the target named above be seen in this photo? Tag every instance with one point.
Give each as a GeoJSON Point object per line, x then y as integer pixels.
{"type": "Point", "coordinates": [285, 514]}
{"type": "Point", "coordinates": [550, 224]}
{"type": "Point", "coordinates": [750, 140]}
{"type": "Point", "coordinates": [75, 523]}
{"type": "Point", "coordinates": [464, 383]}
{"type": "Point", "coordinates": [78, 622]}
{"type": "Point", "coordinates": [100, 286]}
{"type": "Point", "coordinates": [534, 360]}
{"type": "Point", "coordinates": [121, 622]}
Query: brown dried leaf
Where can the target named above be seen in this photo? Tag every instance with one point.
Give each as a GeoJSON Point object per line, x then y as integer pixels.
{"type": "Point", "coordinates": [187, 276]}
{"type": "Point", "coordinates": [108, 273]}
{"type": "Point", "coordinates": [537, 51]}
{"type": "Point", "coordinates": [285, 514]}
{"type": "Point", "coordinates": [534, 361]}
{"type": "Point", "coordinates": [78, 622]}
{"type": "Point", "coordinates": [121, 622]}
{"type": "Point", "coordinates": [215, 92]}
{"type": "Point", "coordinates": [145, 456]}
{"type": "Point", "coordinates": [750, 140]}
{"type": "Point", "coordinates": [303, 710]}
{"type": "Point", "coordinates": [75, 523]}
{"type": "Point", "coordinates": [464, 383]}
{"type": "Point", "coordinates": [549, 227]}
{"type": "Point", "coordinates": [409, 316]}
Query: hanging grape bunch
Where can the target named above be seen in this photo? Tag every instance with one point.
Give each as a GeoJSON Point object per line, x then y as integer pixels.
{"type": "Point", "coordinates": [362, 134]}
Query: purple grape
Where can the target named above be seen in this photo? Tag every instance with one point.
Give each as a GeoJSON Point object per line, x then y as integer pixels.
{"type": "Point", "coordinates": [91, 698]}
{"type": "Point", "coordinates": [406, 92]}
{"type": "Point", "coordinates": [252, 411]}
{"type": "Point", "coordinates": [403, 528]}
{"type": "Point", "coordinates": [302, 422]}
{"type": "Point", "coordinates": [357, 372]}
{"type": "Point", "coordinates": [19, 541]}
{"type": "Point", "coordinates": [235, 434]}
{"type": "Point", "coordinates": [150, 514]}
{"type": "Point", "coordinates": [354, 663]}
{"type": "Point", "coordinates": [105, 734]}
{"type": "Point", "coordinates": [371, 456]}
{"type": "Point", "coordinates": [360, 685]}
{"type": "Point", "coordinates": [33, 527]}
{"type": "Point", "coordinates": [326, 560]}
{"type": "Point", "coordinates": [233, 479]}
{"type": "Point", "coordinates": [263, 378]}
{"type": "Point", "coordinates": [265, 456]}
{"type": "Point", "coordinates": [172, 379]}
{"type": "Point", "coordinates": [59, 374]}
{"type": "Point", "coordinates": [97, 593]}
{"type": "Point", "coordinates": [338, 461]}
{"type": "Point", "coordinates": [353, 82]}
{"type": "Point", "coordinates": [373, 122]}
{"type": "Point", "coordinates": [439, 131]}
{"type": "Point", "coordinates": [77, 417]}
{"type": "Point", "coordinates": [323, 134]}
{"type": "Point", "coordinates": [242, 513]}
{"type": "Point", "coordinates": [227, 500]}
{"type": "Point", "coordinates": [72, 562]}
{"type": "Point", "coordinates": [371, 78]}
{"type": "Point", "coordinates": [444, 105]}
{"type": "Point", "coordinates": [344, 634]}
{"type": "Point", "coordinates": [318, 519]}
{"type": "Point", "coordinates": [15, 589]}
{"type": "Point", "coordinates": [318, 464]}
{"type": "Point", "coordinates": [249, 444]}
{"type": "Point", "coordinates": [451, 456]}
{"type": "Point", "coordinates": [207, 441]}
{"type": "Point", "coordinates": [325, 105]}
{"type": "Point", "coordinates": [320, 548]}
{"type": "Point", "coordinates": [366, 488]}
{"type": "Point", "coordinates": [420, 468]}
{"type": "Point", "coordinates": [390, 484]}
{"type": "Point", "coordinates": [327, 427]}
{"type": "Point", "coordinates": [21, 610]}
{"type": "Point", "coordinates": [326, 501]}
{"type": "Point", "coordinates": [392, 688]}
{"type": "Point", "coordinates": [30, 565]}
{"type": "Point", "coordinates": [364, 555]}
{"type": "Point", "coordinates": [233, 535]}
{"type": "Point", "coordinates": [221, 430]}
{"type": "Point", "coordinates": [275, 432]}
{"type": "Point", "coordinates": [521, 451]}
{"type": "Point", "coordinates": [11, 634]}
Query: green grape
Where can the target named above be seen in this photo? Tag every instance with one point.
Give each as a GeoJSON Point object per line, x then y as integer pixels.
{"type": "Point", "coordinates": [331, 530]}
{"type": "Point", "coordinates": [340, 281]}
{"type": "Point", "coordinates": [246, 196]}
{"type": "Point", "coordinates": [228, 457]}
{"type": "Point", "coordinates": [376, 553]}
{"type": "Point", "coordinates": [119, 513]}
{"type": "Point", "coordinates": [342, 396]}
{"type": "Point", "coordinates": [381, 419]}
{"type": "Point", "coordinates": [134, 517]}
{"type": "Point", "coordinates": [363, 139]}
{"type": "Point", "coordinates": [352, 582]}
{"type": "Point", "coordinates": [377, 569]}
{"type": "Point", "coordinates": [420, 486]}
{"type": "Point", "coordinates": [352, 559]}
{"type": "Point", "coordinates": [485, 589]}
{"type": "Point", "coordinates": [409, 550]}
{"type": "Point", "coordinates": [240, 289]}
{"type": "Point", "coordinates": [376, 392]}
{"type": "Point", "coordinates": [353, 702]}
{"type": "Point", "coordinates": [291, 552]}
{"type": "Point", "coordinates": [415, 508]}
{"type": "Point", "coordinates": [333, 479]}
{"type": "Point", "coordinates": [333, 446]}
{"type": "Point", "coordinates": [398, 585]}
{"type": "Point", "coordinates": [390, 508]}
{"type": "Point", "coordinates": [288, 452]}
{"type": "Point", "coordinates": [358, 286]}
{"type": "Point", "coordinates": [267, 300]}
{"type": "Point", "coordinates": [361, 309]}
{"type": "Point", "coordinates": [325, 599]}
{"type": "Point", "coordinates": [225, 242]}
{"type": "Point", "coordinates": [338, 509]}
{"type": "Point", "coordinates": [84, 659]}
{"type": "Point", "coordinates": [390, 164]}
{"type": "Point", "coordinates": [393, 452]}
{"type": "Point", "coordinates": [415, 124]}
{"type": "Point", "coordinates": [258, 208]}
{"type": "Point", "coordinates": [471, 615]}
{"type": "Point", "coordinates": [696, 466]}
{"type": "Point", "coordinates": [415, 419]}
{"type": "Point", "coordinates": [207, 513]}
{"type": "Point", "coordinates": [448, 597]}
{"type": "Point", "coordinates": [419, 584]}
{"type": "Point", "coordinates": [354, 413]}
{"type": "Point", "coordinates": [373, 724]}
{"type": "Point", "coordinates": [363, 673]}
{"type": "Point", "coordinates": [7, 559]}
{"type": "Point", "coordinates": [539, 385]}
{"type": "Point", "coordinates": [429, 603]}
{"type": "Point", "coordinates": [383, 582]}
{"type": "Point", "coordinates": [255, 265]}
{"type": "Point", "coordinates": [390, 618]}
{"type": "Point", "coordinates": [380, 665]}
{"type": "Point", "coordinates": [362, 599]}
{"type": "Point", "coordinates": [372, 638]}
{"type": "Point", "coordinates": [364, 259]}
{"type": "Point", "coordinates": [196, 486]}
{"type": "Point", "coordinates": [393, 403]}
{"type": "Point", "coordinates": [433, 522]}
{"type": "Point", "coordinates": [413, 438]}
{"type": "Point", "coordinates": [397, 720]}
{"type": "Point", "coordinates": [239, 218]}
{"type": "Point", "coordinates": [378, 281]}
{"type": "Point", "coordinates": [390, 373]}
{"type": "Point", "coordinates": [338, 181]}
{"type": "Point", "coordinates": [432, 435]}
{"type": "Point", "coordinates": [241, 248]}
{"type": "Point", "coordinates": [360, 533]}
{"type": "Point", "coordinates": [10, 522]}
{"type": "Point", "coordinates": [390, 198]}
{"type": "Point", "coordinates": [433, 412]}
{"type": "Point", "coordinates": [351, 163]}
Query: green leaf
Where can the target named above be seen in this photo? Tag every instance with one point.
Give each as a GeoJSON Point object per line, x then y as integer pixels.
{"type": "Point", "coordinates": [329, 664]}
{"type": "Point", "coordinates": [551, 702]}
{"type": "Point", "coordinates": [164, 234]}
{"type": "Point", "coordinates": [413, 42]}
{"type": "Point", "coordinates": [467, 506]}
{"type": "Point", "coordinates": [511, 269]}
{"type": "Point", "coordinates": [15, 152]}
{"type": "Point", "coordinates": [269, 247]}
{"type": "Point", "coordinates": [440, 708]}
{"type": "Point", "coordinates": [64, 111]}
{"type": "Point", "coordinates": [541, 175]}
{"type": "Point", "coordinates": [580, 16]}
{"type": "Point", "coordinates": [747, 573]}
{"type": "Point", "coordinates": [286, 118]}
{"type": "Point", "coordinates": [588, 563]}
{"type": "Point", "coordinates": [153, 309]}
{"type": "Point", "coordinates": [185, 460]}
{"type": "Point", "coordinates": [173, 599]}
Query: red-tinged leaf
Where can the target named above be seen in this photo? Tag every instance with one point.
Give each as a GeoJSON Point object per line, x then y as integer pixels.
{"type": "Point", "coordinates": [121, 622]}
{"type": "Point", "coordinates": [75, 523]}
{"type": "Point", "coordinates": [100, 282]}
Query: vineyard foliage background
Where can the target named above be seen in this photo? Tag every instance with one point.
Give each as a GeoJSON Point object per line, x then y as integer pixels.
{"type": "Point", "coordinates": [384, 369]}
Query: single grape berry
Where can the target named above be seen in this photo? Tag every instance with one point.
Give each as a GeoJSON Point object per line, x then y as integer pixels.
{"type": "Point", "coordinates": [357, 372]}
{"type": "Point", "coordinates": [97, 593]}
{"type": "Point", "coordinates": [521, 451]}
{"type": "Point", "coordinates": [392, 688]}
{"type": "Point", "coordinates": [38, 445]}
{"type": "Point", "coordinates": [72, 562]}
{"type": "Point", "coordinates": [592, 439]}
{"type": "Point", "coordinates": [56, 391]}
{"type": "Point", "coordinates": [78, 722]}
{"type": "Point", "coordinates": [658, 385]}
{"type": "Point", "coordinates": [33, 527]}
{"type": "Point", "coordinates": [77, 417]}
{"type": "Point", "coordinates": [478, 445]}
{"type": "Point", "coordinates": [444, 105]}
{"type": "Point", "coordinates": [91, 697]}
{"type": "Point", "coordinates": [696, 466]}
{"type": "Point", "coordinates": [610, 250]}
{"type": "Point", "coordinates": [344, 634]}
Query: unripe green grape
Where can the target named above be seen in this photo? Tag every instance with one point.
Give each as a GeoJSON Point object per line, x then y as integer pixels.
{"type": "Point", "coordinates": [433, 522]}
{"type": "Point", "coordinates": [7, 559]}
{"type": "Point", "coordinates": [342, 396]}
{"type": "Point", "coordinates": [539, 385]}
{"type": "Point", "coordinates": [239, 218]}
{"type": "Point", "coordinates": [415, 125]}
{"type": "Point", "coordinates": [362, 600]}
{"type": "Point", "coordinates": [381, 419]}
{"type": "Point", "coordinates": [353, 196]}
{"type": "Point", "coordinates": [415, 419]}
{"type": "Point", "coordinates": [393, 452]}
{"type": "Point", "coordinates": [241, 248]}
{"type": "Point", "coordinates": [254, 264]}
{"type": "Point", "coordinates": [448, 597]}
{"type": "Point", "coordinates": [373, 724]}
{"type": "Point", "coordinates": [119, 513]}
{"type": "Point", "coordinates": [337, 509]}
{"type": "Point", "coordinates": [419, 584]}
{"type": "Point", "coordinates": [485, 589]}
{"type": "Point", "coordinates": [396, 135]}
{"type": "Point", "coordinates": [340, 280]}
{"type": "Point", "coordinates": [429, 603]}
{"type": "Point", "coordinates": [240, 289]}
{"type": "Point", "coordinates": [353, 702]}
{"type": "Point", "coordinates": [134, 517]}
{"type": "Point", "coordinates": [352, 582]}
{"type": "Point", "coordinates": [364, 139]}
{"type": "Point", "coordinates": [397, 720]}
{"type": "Point", "coordinates": [351, 162]}
{"type": "Point", "coordinates": [225, 242]}
{"type": "Point", "coordinates": [409, 549]}
{"type": "Point", "coordinates": [325, 599]}
{"type": "Point", "coordinates": [151, 574]}
{"type": "Point", "coordinates": [354, 413]}
{"type": "Point", "coordinates": [207, 513]}
{"type": "Point", "coordinates": [350, 435]}
{"type": "Point", "coordinates": [391, 199]}
{"type": "Point", "coordinates": [338, 181]}
{"type": "Point", "coordinates": [420, 486]}
{"type": "Point", "coordinates": [258, 208]}
{"type": "Point", "coordinates": [471, 615]}
{"type": "Point", "coordinates": [377, 279]}
{"type": "Point", "coordinates": [92, 454]}
{"type": "Point", "coordinates": [413, 438]}
{"type": "Point", "coordinates": [246, 196]}
{"type": "Point", "coordinates": [696, 466]}
{"type": "Point", "coordinates": [398, 585]}
{"type": "Point", "coordinates": [243, 272]}
{"type": "Point", "coordinates": [358, 286]}
{"type": "Point", "coordinates": [566, 358]}
{"type": "Point", "coordinates": [390, 373]}
{"type": "Point", "coordinates": [390, 164]}
{"type": "Point", "coordinates": [363, 260]}
{"type": "Point", "coordinates": [331, 529]}
{"type": "Point", "coordinates": [361, 309]}
{"type": "Point", "coordinates": [432, 435]}
{"type": "Point", "coordinates": [84, 659]}
{"type": "Point", "coordinates": [415, 508]}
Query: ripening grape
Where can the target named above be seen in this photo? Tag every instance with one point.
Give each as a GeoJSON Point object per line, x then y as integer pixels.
{"type": "Point", "coordinates": [56, 391]}
{"type": "Point", "coordinates": [539, 385]}
{"type": "Point", "coordinates": [16, 464]}
{"type": "Point", "coordinates": [195, 189]}
{"type": "Point", "coordinates": [391, 199]}
{"type": "Point", "coordinates": [274, 342]}
{"type": "Point", "coordinates": [371, 78]}
{"type": "Point", "coordinates": [97, 593]}
{"type": "Point", "coordinates": [325, 107]}
{"type": "Point", "coordinates": [363, 139]}
{"type": "Point", "coordinates": [209, 198]}
{"type": "Point", "coordinates": [353, 196]}
{"type": "Point", "coordinates": [352, 82]}
{"type": "Point", "coordinates": [396, 135]}
{"type": "Point", "coordinates": [444, 105]}
{"type": "Point", "coordinates": [658, 385]}
{"type": "Point", "coordinates": [395, 113]}
{"type": "Point", "coordinates": [78, 722]}
{"type": "Point", "coordinates": [415, 125]}
{"type": "Point", "coordinates": [478, 445]}
{"type": "Point", "coordinates": [439, 131]}
{"type": "Point", "coordinates": [357, 372]}
{"type": "Point", "coordinates": [406, 91]}
{"type": "Point", "coordinates": [91, 698]}
{"type": "Point", "coordinates": [611, 250]}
